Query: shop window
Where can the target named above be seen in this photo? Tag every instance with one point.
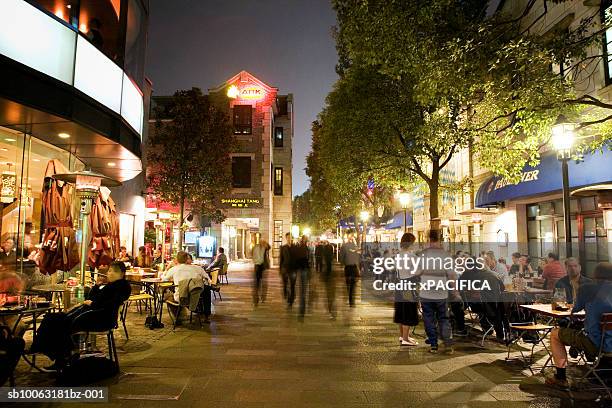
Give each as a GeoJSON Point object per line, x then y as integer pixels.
{"type": "Point", "coordinates": [241, 172]}
{"type": "Point", "coordinates": [135, 41]}
{"type": "Point", "coordinates": [278, 237]}
{"type": "Point", "coordinates": [278, 136]}
{"type": "Point", "coordinates": [606, 16]}
{"type": "Point", "coordinates": [126, 232]}
{"type": "Point", "coordinates": [278, 181]}
{"type": "Point", "coordinates": [65, 10]}
{"type": "Point", "coordinates": [99, 23]}
{"type": "Point", "coordinates": [243, 122]}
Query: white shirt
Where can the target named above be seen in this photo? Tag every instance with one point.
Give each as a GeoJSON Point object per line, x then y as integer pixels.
{"type": "Point", "coordinates": [184, 271]}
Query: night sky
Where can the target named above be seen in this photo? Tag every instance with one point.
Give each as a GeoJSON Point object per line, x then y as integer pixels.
{"type": "Point", "coordinates": [285, 43]}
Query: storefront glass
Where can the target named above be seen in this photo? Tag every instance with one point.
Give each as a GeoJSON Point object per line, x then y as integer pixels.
{"type": "Point", "coordinates": [23, 162]}
{"type": "Point", "coordinates": [546, 231]}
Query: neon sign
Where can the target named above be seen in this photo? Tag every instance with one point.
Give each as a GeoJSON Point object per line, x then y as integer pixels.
{"type": "Point", "coordinates": [250, 92]}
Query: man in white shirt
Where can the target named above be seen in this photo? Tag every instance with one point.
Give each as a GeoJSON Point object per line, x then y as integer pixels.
{"type": "Point", "coordinates": [181, 271]}
{"type": "Point", "coordinates": [497, 268]}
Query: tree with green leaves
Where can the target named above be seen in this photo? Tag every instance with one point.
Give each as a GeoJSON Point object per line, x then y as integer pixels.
{"type": "Point", "coordinates": [188, 155]}
{"type": "Point", "coordinates": [420, 81]}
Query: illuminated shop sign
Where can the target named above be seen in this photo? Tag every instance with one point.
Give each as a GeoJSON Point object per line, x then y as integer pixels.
{"type": "Point", "coordinates": [249, 92]}
{"type": "Point", "coordinates": [241, 202]}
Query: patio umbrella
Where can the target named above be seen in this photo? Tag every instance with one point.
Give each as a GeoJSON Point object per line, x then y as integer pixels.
{"type": "Point", "coordinates": [59, 249]}
{"type": "Point", "coordinates": [105, 243]}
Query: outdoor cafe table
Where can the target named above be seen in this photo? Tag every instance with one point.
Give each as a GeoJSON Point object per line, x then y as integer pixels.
{"type": "Point", "coordinates": [56, 290]}
{"type": "Point", "coordinates": [20, 312]}
{"type": "Point", "coordinates": [546, 309]}
{"type": "Point", "coordinates": [156, 288]}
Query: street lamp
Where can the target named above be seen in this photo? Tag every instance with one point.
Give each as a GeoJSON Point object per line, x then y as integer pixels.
{"type": "Point", "coordinates": [404, 199]}
{"type": "Point", "coordinates": [563, 137]}
{"type": "Point", "coordinates": [87, 184]}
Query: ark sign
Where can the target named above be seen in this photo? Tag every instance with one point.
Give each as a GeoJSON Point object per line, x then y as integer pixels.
{"type": "Point", "coordinates": [248, 92]}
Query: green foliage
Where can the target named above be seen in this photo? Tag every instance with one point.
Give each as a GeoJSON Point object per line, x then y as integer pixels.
{"type": "Point", "coordinates": [422, 80]}
{"type": "Point", "coordinates": [188, 155]}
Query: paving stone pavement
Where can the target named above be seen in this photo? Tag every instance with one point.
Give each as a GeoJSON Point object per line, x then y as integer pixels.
{"type": "Point", "coordinates": [265, 357]}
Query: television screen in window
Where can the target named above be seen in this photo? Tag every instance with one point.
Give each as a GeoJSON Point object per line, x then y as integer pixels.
{"type": "Point", "coordinates": [191, 237]}
{"type": "Point", "coordinates": [206, 247]}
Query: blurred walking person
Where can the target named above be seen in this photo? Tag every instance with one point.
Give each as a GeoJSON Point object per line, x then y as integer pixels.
{"type": "Point", "coordinates": [350, 258]}
{"type": "Point", "coordinates": [285, 265]}
{"type": "Point", "coordinates": [327, 277]}
{"type": "Point", "coordinates": [406, 313]}
{"type": "Point", "coordinates": [261, 259]}
{"type": "Point", "coordinates": [300, 254]}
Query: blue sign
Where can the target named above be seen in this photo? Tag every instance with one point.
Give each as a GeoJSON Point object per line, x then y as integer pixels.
{"type": "Point", "coordinates": [398, 221]}
{"type": "Point", "coordinates": [596, 168]}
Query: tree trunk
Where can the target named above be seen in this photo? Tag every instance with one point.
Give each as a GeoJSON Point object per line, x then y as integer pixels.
{"type": "Point", "coordinates": [357, 232]}
{"type": "Point", "coordinates": [434, 186]}
{"type": "Point", "coordinates": [182, 214]}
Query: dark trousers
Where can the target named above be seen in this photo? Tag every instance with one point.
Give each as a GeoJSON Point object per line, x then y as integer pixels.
{"type": "Point", "coordinates": [260, 289]}
{"type": "Point", "coordinates": [292, 278]}
{"type": "Point", "coordinates": [435, 316]}
{"type": "Point", "coordinates": [53, 336]}
{"type": "Point", "coordinates": [491, 313]}
{"type": "Point", "coordinates": [204, 302]}
{"type": "Point", "coordinates": [284, 275]}
{"type": "Point", "coordinates": [327, 277]}
{"type": "Point", "coordinates": [303, 274]}
{"type": "Point", "coordinates": [350, 275]}
{"type": "Point", "coordinates": [458, 312]}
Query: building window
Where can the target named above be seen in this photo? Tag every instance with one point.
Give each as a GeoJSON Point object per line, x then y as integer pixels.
{"type": "Point", "coordinates": [241, 172]}
{"type": "Point", "coordinates": [278, 237]}
{"type": "Point", "coordinates": [278, 181]}
{"type": "Point", "coordinates": [278, 136]}
{"type": "Point", "coordinates": [243, 123]}
{"type": "Point", "coordinates": [606, 16]}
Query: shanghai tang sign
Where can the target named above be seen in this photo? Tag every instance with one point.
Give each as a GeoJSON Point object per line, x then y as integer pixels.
{"type": "Point", "coordinates": [241, 202]}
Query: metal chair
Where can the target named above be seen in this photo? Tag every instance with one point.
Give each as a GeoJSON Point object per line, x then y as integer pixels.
{"type": "Point", "coordinates": [139, 298]}
{"type": "Point", "coordinates": [222, 273]}
{"type": "Point", "coordinates": [99, 322]}
{"type": "Point", "coordinates": [595, 370]}
{"type": "Point", "coordinates": [539, 333]}
{"type": "Point", "coordinates": [215, 286]}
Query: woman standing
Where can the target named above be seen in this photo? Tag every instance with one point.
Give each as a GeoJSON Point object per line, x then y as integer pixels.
{"type": "Point", "coordinates": [406, 307]}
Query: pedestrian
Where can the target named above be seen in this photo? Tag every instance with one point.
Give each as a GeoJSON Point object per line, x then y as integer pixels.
{"type": "Point", "coordinates": [318, 257]}
{"type": "Point", "coordinates": [261, 260]}
{"type": "Point", "coordinates": [406, 313]}
{"type": "Point", "coordinates": [434, 301]}
{"type": "Point", "coordinates": [350, 258]}
{"type": "Point", "coordinates": [300, 259]}
{"type": "Point", "coordinates": [327, 277]}
{"type": "Point", "coordinates": [285, 265]}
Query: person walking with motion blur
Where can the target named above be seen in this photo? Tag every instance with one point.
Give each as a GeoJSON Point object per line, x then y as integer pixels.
{"type": "Point", "coordinates": [261, 259]}
{"type": "Point", "coordinates": [350, 258]}
{"type": "Point", "coordinates": [285, 265]}
{"type": "Point", "coordinates": [300, 256]}
{"type": "Point", "coordinates": [327, 276]}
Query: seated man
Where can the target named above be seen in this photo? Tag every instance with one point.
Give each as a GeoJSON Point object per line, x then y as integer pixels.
{"type": "Point", "coordinates": [595, 298]}
{"type": "Point", "coordinates": [219, 262]}
{"type": "Point", "coordinates": [54, 334]}
{"type": "Point", "coordinates": [552, 271]}
{"type": "Point", "coordinates": [573, 281]}
{"type": "Point", "coordinates": [184, 270]}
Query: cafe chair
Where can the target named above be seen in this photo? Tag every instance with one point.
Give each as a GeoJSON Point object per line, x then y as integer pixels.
{"type": "Point", "coordinates": [595, 368]}
{"type": "Point", "coordinates": [223, 273]}
{"type": "Point", "coordinates": [215, 286]}
{"type": "Point", "coordinates": [537, 333]}
{"type": "Point", "coordinates": [98, 322]}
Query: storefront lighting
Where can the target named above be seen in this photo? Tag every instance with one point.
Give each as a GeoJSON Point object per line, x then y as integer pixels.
{"type": "Point", "coordinates": [476, 218]}
{"type": "Point", "coordinates": [233, 92]}
{"type": "Point", "coordinates": [445, 223]}
{"type": "Point", "coordinates": [307, 231]}
{"type": "Point", "coordinates": [111, 164]}
{"type": "Point", "coordinates": [63, 135]}
{"type": "Point", "coordinates": [9, 139]}
{"type": "Point", "coordinates": [7, 189]}
{"type": "Point", "coordinates": [4, 149]}
{"type": "Point", "coordinates": [36, 160]}
{"type": "Point", "coordinates": [232, 232]}
{"type": "Point", "coordinates": [295, 231]}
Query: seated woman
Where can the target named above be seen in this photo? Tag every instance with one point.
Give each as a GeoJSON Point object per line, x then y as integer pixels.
{"type": "Point", "coordinates": [54, 337]}
{"type": "Point", "coordinates": [143, 260]}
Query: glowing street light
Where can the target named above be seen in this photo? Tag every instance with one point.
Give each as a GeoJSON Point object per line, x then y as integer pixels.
{"type": "Point", "coordinates": [364, 215]}
{"type": "Point", "coordinates": [563, 137]}
{"type": "Point", "coordinates": [295, 231]}
{"type": "Point", "coordinates": [404, 199]}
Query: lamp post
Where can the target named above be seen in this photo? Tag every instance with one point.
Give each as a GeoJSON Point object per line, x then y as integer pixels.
{"type": "Point", "coordinates": [364, 216]}
{"type": "Point", "coordinates": [404, 199]}
{"type": "Point", "coordinates": [563, 137]}
{"type": "Point", "coordinates": [87, 184]}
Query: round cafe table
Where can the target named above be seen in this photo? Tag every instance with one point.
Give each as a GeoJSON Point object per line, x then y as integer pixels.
{"type": "Point", "coordinates": [55, 289]}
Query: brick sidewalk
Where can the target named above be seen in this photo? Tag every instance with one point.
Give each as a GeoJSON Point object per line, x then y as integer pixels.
{"type": "Point", "coordinates": [265, 357]}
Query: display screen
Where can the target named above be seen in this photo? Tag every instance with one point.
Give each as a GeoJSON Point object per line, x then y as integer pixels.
{"type": "Point", "coordinates": [191, 237]}
{"type": "Point", "coordinates": [206, 247]}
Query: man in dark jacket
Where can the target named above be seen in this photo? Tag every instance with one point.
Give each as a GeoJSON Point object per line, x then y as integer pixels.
{"type": "Point", "coordinates": [285, 265]}
{"type": "Point", "coordinates": [300, 267]}
{"type": "Point", "coordinates": [573, 281]}
{"type": "Point", "coordinates": [54, 337]}
{"type": "Point", "coordinates": [327, 276]}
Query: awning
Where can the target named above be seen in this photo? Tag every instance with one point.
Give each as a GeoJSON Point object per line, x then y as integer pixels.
{"type": "Point", "coordinates": [596, 168]}
{"type": "Point", "coordinates": [398, 220]}
{"type": "Point", "coordinates": [347, 222]}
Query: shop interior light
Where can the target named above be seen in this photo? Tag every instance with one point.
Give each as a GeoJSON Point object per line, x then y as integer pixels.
{"type": "Point", "coordinates": [9, 139]}
{"type": "Point", "coordinates": [36, 160]}
{"type": "Point", "coordinates": [63, 135]}
{"type": "Point", "coordinates": [4, 149]}
{"type": "Point", "coordinates": [111, 164]}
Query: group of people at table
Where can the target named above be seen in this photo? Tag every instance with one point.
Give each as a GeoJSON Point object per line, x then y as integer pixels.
{"type": "Point", "coordinates": [445, 308]}
{"type": "Point", "coordinates": [55, 335]}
